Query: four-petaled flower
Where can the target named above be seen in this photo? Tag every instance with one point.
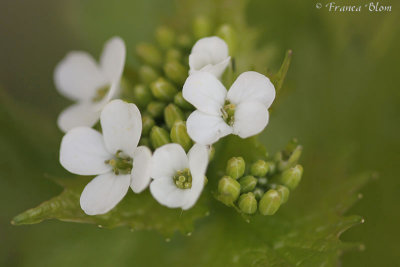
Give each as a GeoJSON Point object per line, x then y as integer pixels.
{"type": "Point", "coordinates": [178, 178]}
{"type": "Point", "coordinates": [209, 54]}
{"type": "Point", "coordinates": [113, 156]}
{"type": "Point", "coordinates": [79, 78]}
{"type": "Point", "coordinates": [243, 110]}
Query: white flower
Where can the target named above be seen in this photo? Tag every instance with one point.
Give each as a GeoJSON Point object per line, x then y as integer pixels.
{"type": "Point", "coordinates": [113, 156]}
{"type": "Point", "coordinates": [209, 54]}
{"type": "Point", "coordinates": [243, 110]}
{"type": "Point", "coordinates": [178, 178]}
{"type": "Point", "coordinates": [79, 78]}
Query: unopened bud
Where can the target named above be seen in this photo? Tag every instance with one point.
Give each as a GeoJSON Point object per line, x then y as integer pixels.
{"type": "Point", "coordinates": [163, 90]}
{"type": "Point", "coordinates": [176, 72]}
{"type": "Point", "coordinates": [180, 136]}
{"type": "Point", "coordinates": [248, 203]}
{"type": "Point", "coordinates": [172, 114]}
{"type": "Point", "coordinates": [156, 109]}
{"type": "Point", "coordinates": [247, 183]}
{"type": "Point", "coordinates": [148, 74]}
{"type": "Point", "coordinates": [228, 189]}
{"type": "Point", "coordinates": [289, 156]}
{"type": "Point", "coordinates": [258, 193]}
{"type": "Point", "coordinates": [211, 152]}
{"type": "Point", "coordinates": [173, 54]}
{"type": "Point", "coordinates": [291, 177]}
{"type": "Point", "coordinates": [270, 202]}
{"type": "Point", "coordinates": [271, 167]}
{"type": "Point", "coordinates": [235, 167]}
{"type": "Point", "coordinates": [149, 54]}
{"type": "Point", "coordinates": [144, 141]}
{"type": "Point", "coordinates": [283, 192]}
{"type": "Point", "coordinates": [147, 124]}
{"type": "Point", "coordinates": [263, 181]}
{"type": "Point", "coordinates": [165, 36]}
{"type": "Point", "coordinates": [159, 137]}
{"type": "Point", "coordinates": [142, 95]}
{"type": "Point", "coordinates": [259, 168]}
{"type": "Point", "coordinates": [185, 42]}
{"type": "Point", "coordinates": [229, 35]}
{"type": "Point", "coordinates": [181, 102]}
{"type": "Point", "coordinates": [202, 27]}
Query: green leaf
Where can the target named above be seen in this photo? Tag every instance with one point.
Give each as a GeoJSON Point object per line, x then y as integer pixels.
{"type": "Point", "coordinates": [136, 211]}
{"type": "Point", "coordinates": [301, 234]}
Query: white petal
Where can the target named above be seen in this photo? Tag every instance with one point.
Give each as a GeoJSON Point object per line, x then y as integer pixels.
{"type": "Point", "coordinates": [112, 59]}
{"type": "Point", "coordinates": [218, 69]}
{"type": "Point", "coordinates": [121, 123]}
{"type": "Point", "coordinates": [198, 60]}
{"type": "Point", "coordinates": [83, 152]}
{"type": "Point", "coordinates": [166, 192]}
{"type": "Point", "coordinates": [252, 86]}
{"type": "Point", "coordinates": [141, 169]}
{"type": "Point", "coordinates": [213, 49]}
{"type": "Point", "coordinates": [167, 160]}
{"type": "Point", "coordinates": [80, 114]}
{"type": "Point", "coordinates": [250, 119]}
{"type": "Point", "coordinates": [78, 76]}
{"type": "Point", "coordinates": [204, 91]}
{"type": "Point", "coordinates": [198, 161]}
{"type": "Point", "coordinates": [206, 129]}
{"type": "Point", "coordinates": [104, 192]}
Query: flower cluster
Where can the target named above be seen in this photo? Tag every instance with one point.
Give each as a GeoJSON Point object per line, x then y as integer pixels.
{"type": "Point", "coordinates": [264, 185]}
{"type": "Point", "coordinates": [158, 124]}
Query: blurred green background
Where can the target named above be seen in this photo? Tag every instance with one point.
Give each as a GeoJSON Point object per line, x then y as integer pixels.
{"type": "Point", "coordinates": [342, 100]}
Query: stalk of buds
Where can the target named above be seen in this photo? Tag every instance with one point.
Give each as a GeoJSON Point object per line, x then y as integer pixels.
{"type": "Point", "coordinates": [261, 185]}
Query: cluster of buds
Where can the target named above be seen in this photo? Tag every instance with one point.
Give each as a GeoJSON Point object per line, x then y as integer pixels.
{"type": "Point", "coordinates": [157, 91]}
{"type": "Point", "coordinates": [264, 185]}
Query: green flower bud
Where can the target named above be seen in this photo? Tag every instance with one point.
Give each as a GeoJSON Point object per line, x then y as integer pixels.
{"type": "Point", "coordinates": [271, 167]}
{"type": "Point", "coordinates": [172, 114]}
{"type": "Point", "coordinates": [180, 136]}
{"type": "Point", "coordinates": [248, 203]}
{"type": "Point", "coordinates": [156, 109]}
{"type": "Point", "coordinates": [235, 167]}
{"type": "Point", "coordinates": [176, 72]}
{"type": "Point", "coordinates": [148, 74]}
{"type": "Point", "coordinates": [258, 193]}
{"type": "Point", "coordinates": [270, 202]}
{"type": "Point", "coordinates": [163, 90]}
{"type": "Point", "coordinates": [291, 177]}
{"type": "Point", "coordinates": [187, 114]}
{"type": "Point", "coordinates": [185, 42]}
{"type": "Point", "coordinates": [142, 95]}
{"type": "Point", "coordinates": [147, 124]}
{"type": "Point", "coordinates": [228, 189]}
{"type": "Point", "coordinates": [149, 54]}
{"type": "Point", "coordinates": [159, 137]}
{"type": "Point", "coordinates": [259, 168]}
{"type": "Point", "coordinates": [263, 181]}
{"type": "Point", "coordinates": [181, 102]}
{"type": "Point", "coordinates": [289, 156]}
{"type": "Point", "coordinates": [126, 91]}
{"type": "Point", "coordinates": [247, 183]}
{"type": "Point", "coordinates": [165, 36]}
{"type": "Point", "coordinates": [202, 27]}
{"type": "Point", "coordinates": [173, 54]}
{"type": "Point", "coordinates": [211, 152]}
{"type": "Point", "coordinates": [144, 141]}
{"type": "Point", "coordinates": [283, 192]}
{"type": "Point", "coordinates": [228, 33]}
